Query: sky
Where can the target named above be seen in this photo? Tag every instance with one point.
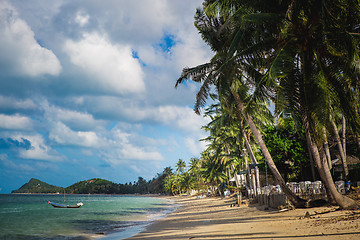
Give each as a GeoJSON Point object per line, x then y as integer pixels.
{"type": "Point", "coordinates": [87, 89]}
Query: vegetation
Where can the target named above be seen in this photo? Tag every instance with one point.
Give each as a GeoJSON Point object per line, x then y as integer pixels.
{"type": "Point", "coordinates": [299, 58]}
{"type": "Point", "coordinates": [288, 148]}
{"type": "Point", "coordinates": [37, 186]}
{"type": "Point", "coordinates": [303, 56]}
{"type": "Point", "coordinates": [98, 186]}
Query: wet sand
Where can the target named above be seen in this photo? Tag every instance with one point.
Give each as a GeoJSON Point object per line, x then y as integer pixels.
{"type": "Point", "coordinates": [213, 218]}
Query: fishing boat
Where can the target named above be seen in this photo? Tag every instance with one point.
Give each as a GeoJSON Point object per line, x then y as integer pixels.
{"type": "Point", "coordinates": [58, 205]}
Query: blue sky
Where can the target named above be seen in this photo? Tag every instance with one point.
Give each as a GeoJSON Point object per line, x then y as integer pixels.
{"type": "Point", "coordinates": [87, 89]}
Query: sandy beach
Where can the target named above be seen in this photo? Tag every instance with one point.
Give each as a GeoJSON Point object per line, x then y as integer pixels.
{"type": "Point", "coordinates": [213, 218]}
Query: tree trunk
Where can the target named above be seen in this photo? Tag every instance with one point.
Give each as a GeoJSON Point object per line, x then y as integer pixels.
{"type": "Point", "coordinates": [343, 140]}
{"type": "Point", "coordinates": [311, 164]}
{"type": "Point", "coordinates": [326, 149]}
{"type": "Point", "coordinates": [295, 200]}
{"type": "Point", "coordinates": [253, 159]}
{"type": "Point", "coordinates": [341, 150]}
{"type": "Point", "coordinates": [322, 166]}
{"type": "Point", "coordinates": [237, 181]}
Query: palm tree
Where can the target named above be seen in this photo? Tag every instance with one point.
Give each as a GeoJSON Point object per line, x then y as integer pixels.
{"type": "Point", "coordinates": [213, 172]}
{"type": "Point", "coordinates": [226, 74]}
{"type": "Point", "coordinates": [313, 66]}
{"type": "Point", "coordinates": [180, 166]}
{"type": "Point", "coordinates": [194, 166]}
{"type": "Point", "coordinates": [195, 173]}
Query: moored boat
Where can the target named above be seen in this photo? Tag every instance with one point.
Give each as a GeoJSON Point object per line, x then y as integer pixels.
{"type": "Point", "coordinates": [58, 205]}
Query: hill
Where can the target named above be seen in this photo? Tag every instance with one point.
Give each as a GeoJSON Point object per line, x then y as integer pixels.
{"type": "Point", "coordinates": [94, 186]}
{"type": "Point", "coordinates": [37, 186]}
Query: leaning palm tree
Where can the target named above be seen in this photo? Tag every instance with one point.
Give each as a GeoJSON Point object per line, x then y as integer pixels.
{"type": "Point", "coordinates": [227, 75]}
{"type": "Point", "coordinates": [312, 68]}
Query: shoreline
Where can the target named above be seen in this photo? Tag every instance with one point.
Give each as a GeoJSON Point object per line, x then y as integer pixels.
{"type": "Point", "coordinates": [213, 218]}
{"type": "Point", "coordinates": [141, 225]}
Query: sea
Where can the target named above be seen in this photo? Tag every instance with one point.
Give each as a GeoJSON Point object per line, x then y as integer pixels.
{"type": "Point", "coordinates": [105, 217]}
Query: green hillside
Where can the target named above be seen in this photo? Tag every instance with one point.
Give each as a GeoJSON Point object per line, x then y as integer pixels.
{"type": "Point", "coordinates": [37, 186]}
{"type": "Point", "coordinates": [94, 186]}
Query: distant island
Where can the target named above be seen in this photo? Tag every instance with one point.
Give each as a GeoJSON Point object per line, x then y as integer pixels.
{"type": "Point", "coordinates": [95, 186]}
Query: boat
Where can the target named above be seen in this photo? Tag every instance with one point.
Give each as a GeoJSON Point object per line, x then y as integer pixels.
{"type": "Point", "coordinates": [58, 205]}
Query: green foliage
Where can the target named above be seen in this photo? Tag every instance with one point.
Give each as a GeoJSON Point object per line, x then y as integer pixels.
{"type": "Point", "coordinates": [37, 186]}
{"type": "Point", "coordinates": [94, 186]}
{"type": "Point", "coordinates": [100, 186]}
{"type": "Point", "coordinates": [287, 147]}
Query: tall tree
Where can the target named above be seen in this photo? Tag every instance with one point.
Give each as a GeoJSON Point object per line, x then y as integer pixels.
{"type": "Point", "coordinates": [180, 166]}
{"type": "Point", "coordinates": [312, 67]}
{"type": "Point", "coordinates": [227, 75]}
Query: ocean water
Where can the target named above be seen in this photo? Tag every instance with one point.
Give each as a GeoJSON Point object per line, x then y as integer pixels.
{"type": "Point", "coordinates": [106, 217]}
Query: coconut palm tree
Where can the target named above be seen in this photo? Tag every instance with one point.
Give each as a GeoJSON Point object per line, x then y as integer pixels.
{"type": "Point", "coordinates": [180, 167]}
{"type": "Point", "coordinates": [312, 66]}
{"type": "Point", "coordinates": [213, 172]}
{"type": "Point", "coordinates": [227, 75]}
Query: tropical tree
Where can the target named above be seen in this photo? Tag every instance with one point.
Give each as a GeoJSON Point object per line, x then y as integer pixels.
{"type": "Point", "coordinates": [195, 173]}
{"type": "Point", "coordinates": [287, 146]}
{"type": "Point", "coordinates": [226, 73]}
{"type": "Point", "coordinates": [213, 172]}
{"type": "Point", "coordinates": [312, 65]}
{"type": "Point", "coordinates": [180, 166]}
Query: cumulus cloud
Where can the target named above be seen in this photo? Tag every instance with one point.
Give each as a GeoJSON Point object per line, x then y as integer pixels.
{"type": "Point", "coordinates": [112, 101]}
{"type": "Point", "coordinates": [11, 143]}
{"type": "Point", "coordinates": [38, 150]}
{"type": "Point", "coordinates": [119, 149]}
{"type": "Point", "coordinates": [20, 52]}
{"type": "Point", "coordinates": [182, 118]}
{"type": "Point", "coordinates": [178, 117]}
{"type": "Point", "coordinates": [111, 67]}
{"type": "Point", "coordinates": [15, 122]}
{"type": "Point", "coordinates": [16, 104]}
{"type": "Point", "coordinates": [74, 119]}
{"type": "Point", "coordinates": [82, 18]}
{"type": "Point", "coordinates": [62, 134]}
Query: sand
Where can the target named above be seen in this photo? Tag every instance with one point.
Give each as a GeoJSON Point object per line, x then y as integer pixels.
{"type": "Point", "coordinates": [213, 218]}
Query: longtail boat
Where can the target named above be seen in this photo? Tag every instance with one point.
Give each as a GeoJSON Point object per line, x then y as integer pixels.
{"type": "Point", "coordinates": [58, 205]}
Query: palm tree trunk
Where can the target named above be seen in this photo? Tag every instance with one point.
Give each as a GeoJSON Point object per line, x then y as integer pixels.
{"type": "Point", "coordinates": [311, 164]}
{"type": "Point", "coordinates": [341, 150]}
{"type": "Point", "coordinates": [253, 159]}
{"type": "Point", "coordinates": [343, 140]}
{"type": "Point", "coordinates": [324, 171]}
{"type": "Point", "coordinates": [295, 200]}
{"type": "Point", "coordinates": [237, 181]}
{"type": "Point", "coordinates": [326, 149]}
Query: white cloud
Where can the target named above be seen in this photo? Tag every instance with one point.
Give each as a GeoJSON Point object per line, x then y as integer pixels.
{"type": "Point", "coordinates": [82, 18]}
{"type": "Point", "coordinates": [119, 149]}
{"type": "Point", "coordinates": [74, 119]}
{"type": "Point", "coordinates": [194, 145]}
{"type": "Point", "coordinates": [62, 134]}
{"type": "Point", "coordinates": [15, 122]}
{"type": "Point", "coordinates": [110, 67]}
{"type": "Point", "coordinates": [17, 104]}
{"type": "Point", "coordinates": [182, 118]}
{"type": "Point", "coordinates": [20, 51]}
{"type": "Point", "coordinates": [179, 117]}
{"type": "Point", "coordinates": [38, 150]}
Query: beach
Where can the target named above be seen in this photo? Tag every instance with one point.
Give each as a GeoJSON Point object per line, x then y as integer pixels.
{"type": "Point", "coordinates": [213, 218]}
